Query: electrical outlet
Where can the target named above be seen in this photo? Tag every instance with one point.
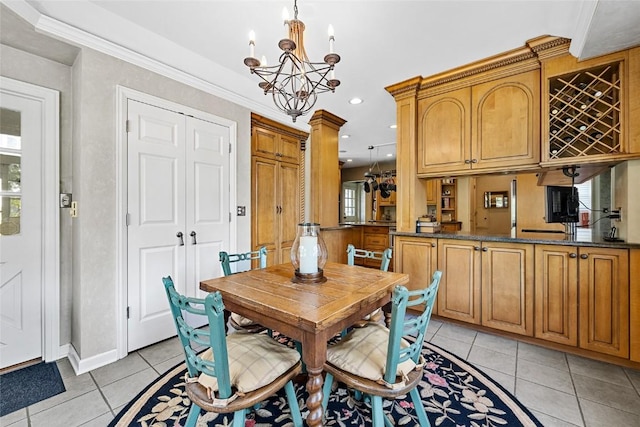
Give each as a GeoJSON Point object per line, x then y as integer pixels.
{"type": "Point", "coordinates": [619, 219]}
{"type": "Point", "coordinates": [242, 211]}
{"type": "Point", "coordinates": [74, 210]}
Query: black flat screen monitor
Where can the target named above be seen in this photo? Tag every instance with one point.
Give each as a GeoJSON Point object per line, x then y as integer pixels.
{"type": "Point", "coordinates": [561, 204]}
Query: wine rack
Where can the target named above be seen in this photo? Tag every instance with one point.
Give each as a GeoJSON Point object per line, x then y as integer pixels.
{"type": "Point", "coordinates": [584, 113]}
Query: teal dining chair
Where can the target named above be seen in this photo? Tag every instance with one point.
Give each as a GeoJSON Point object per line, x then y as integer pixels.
{"type": "Point", "coordinates": [238, 322]}
{"type": "Point", "coordinates": [385, 363]}
{"type": "Point", "coordinates": [385, 259]}
{"type": "Point", "coordinates": [235, 372]}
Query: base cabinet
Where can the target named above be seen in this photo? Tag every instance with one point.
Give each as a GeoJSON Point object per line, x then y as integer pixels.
{"type": "Point", "coordinates": [604, 300]}
{"type": "Point", "coordinates": [582, 297]}
{"type": "Point", "coordinates": [507, 287]}
{"type": "Point", "coordinates": [416, 257]}
{"type": "Point", "coordinates": [556, 294]}
{"type": "Point", "coordinates": [459, 292]}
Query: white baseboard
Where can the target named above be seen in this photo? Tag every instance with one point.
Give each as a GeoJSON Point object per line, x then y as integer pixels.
{"type": "Point", "coordinates": [63, 351]}
{"type": "Point", "coordinates": [81, 366]}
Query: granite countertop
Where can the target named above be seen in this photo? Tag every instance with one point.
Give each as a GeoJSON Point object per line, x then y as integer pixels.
{"type": "Point", "coordinates": [540, 238]}
{"type": "Point", "coordinates": [390, 224]}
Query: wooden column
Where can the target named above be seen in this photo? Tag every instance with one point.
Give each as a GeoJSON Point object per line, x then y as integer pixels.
{"type": "Point", "coordinates": [324, 185]}
{"type": "Point", "coordinates": [411, 198]}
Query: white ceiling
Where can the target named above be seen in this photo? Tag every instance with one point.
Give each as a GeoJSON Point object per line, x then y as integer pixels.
{"type": "Point", "coordinates": [380, 42]}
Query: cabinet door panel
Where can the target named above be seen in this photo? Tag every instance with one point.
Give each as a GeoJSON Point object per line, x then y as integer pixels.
{"type": "Point", "coordinates": [507, 287]}
{"type": "Point", "coordinates": [556, 289]}
{"type": "Point", "coordinates": [264, 207]}
{"type": "Point", "coordinates": [505, 127]}
{"type": "Point", "coordinates": [604, 300]}
{"type": "Point", "coordinates": [416, 257]}
{"type": "Point", "coordinates": [289, 216]}
{"type": "Point", "coordinates": [459, 293]}
{"type": "Point", "coordinates": [444, 138]}
{"type": "Point", "coordinates": [265, 143]}
{"type": "Point", "coordinates": [289, 149]}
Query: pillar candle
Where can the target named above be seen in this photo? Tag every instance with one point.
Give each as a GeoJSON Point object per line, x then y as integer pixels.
{"type": "Point", "coordinates": [308, 254]}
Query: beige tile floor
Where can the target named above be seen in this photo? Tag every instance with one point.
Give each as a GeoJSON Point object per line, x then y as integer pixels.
{"type": "Point", "coordinates": [560, 389]}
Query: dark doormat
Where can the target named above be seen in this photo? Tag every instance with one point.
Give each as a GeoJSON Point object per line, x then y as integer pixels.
{"type": "Point", "coordinates": [29, 385]}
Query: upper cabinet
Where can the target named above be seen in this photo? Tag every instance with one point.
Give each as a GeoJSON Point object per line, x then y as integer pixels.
{"type": "Point", "coordinates": [589, 108]}
{"type": "Point", "coordinates": [484, 127]}
{"type": "Point", "coordinates": [271, 144]}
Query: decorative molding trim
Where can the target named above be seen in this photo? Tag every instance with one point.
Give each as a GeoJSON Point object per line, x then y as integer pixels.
{"type": "Point", "coordinates": [272, 125]}
{"type": "Point", "coordinates": [82, 366]}
{"type": "Point", "coordinates": [327, 118]}
{"type": "Point", "coordinates": [405, 89]}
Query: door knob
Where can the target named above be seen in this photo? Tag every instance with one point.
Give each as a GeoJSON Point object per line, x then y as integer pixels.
{"type": "Point", "coordinates": [179, 236]}
{"type": "Point", "coordinates": [193, 236]}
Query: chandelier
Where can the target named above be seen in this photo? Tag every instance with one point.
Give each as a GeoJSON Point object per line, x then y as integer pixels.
{"type": "Point", "coordinates": [295, 82]}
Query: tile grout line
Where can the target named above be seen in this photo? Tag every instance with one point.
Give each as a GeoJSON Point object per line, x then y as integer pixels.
{"type": "Point", "coordinates": [102, 394]}
{"type": "Point", "coordinates": [575, 391]}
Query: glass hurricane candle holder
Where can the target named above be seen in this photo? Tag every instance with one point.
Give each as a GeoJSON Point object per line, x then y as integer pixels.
{"type": "Point", "coordinates": [308, 254]}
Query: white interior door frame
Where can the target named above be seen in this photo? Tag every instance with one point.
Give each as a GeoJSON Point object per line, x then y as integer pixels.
{"type": "Point", "coordinates": [123, 94]}
{"type": "Point", "coordinates": [49, 101]}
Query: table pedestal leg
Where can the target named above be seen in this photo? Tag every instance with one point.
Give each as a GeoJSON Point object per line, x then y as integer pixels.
{"type": "Point", "coordinates": [314, 401]}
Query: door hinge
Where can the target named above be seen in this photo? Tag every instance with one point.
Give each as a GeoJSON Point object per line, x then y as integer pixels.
{"type": "Point", "coordinates": [229, 148]}
{"type": "Point", "coordinates": [127, 219]}
{"type": "Point", "coordinates": [127, 312]}
{"type": "Point", "coordinates": [229, 216]}
{"type": "Point", "coordinates": [127, 125]}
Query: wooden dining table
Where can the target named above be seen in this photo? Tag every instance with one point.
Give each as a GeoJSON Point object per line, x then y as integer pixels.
{"type": "Point", "coordinates": [308, 313]}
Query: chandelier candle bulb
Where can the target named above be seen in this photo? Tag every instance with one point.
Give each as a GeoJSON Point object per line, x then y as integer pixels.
{"type": "Point", "coordinates": [331, 39]}
{"type": "Point", "coordinates": [252, 44]}
{"type": "Point", "coordinates": [263, 61]}
{"type": "Point", "coordinates": [308, 254]}
{"type": "Point", "coordinates": [285, 18]}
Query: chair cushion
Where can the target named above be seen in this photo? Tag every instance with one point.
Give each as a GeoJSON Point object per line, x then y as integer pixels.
{"type": "Point", "coordinates": [241, 320]}
{"type": "Point", "coordinates": [255, 360]}
{"type": "Point", "coordinates": [363, 352]}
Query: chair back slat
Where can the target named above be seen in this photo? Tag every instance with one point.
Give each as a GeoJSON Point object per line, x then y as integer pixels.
{"type": "Point", "coordinates": [415, 327]}
{"type": "Point", "coordinates": [193, 339]}
{"type": "Point", "coordinates": [384, 257]}
{"type": "Point", "coordinates": [226, 259]}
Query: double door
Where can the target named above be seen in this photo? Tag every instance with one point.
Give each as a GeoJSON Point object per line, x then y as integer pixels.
{"type": "Point", "coordinates": [276, 207]}
{"type": "Point", "coordinates": [487, 283]}
{"type": "Point", "coordinates": [488, 126]}
{"type": "Point", "coordinates": [178, 211]}
{"type": "Point", "coordinates": [582, 297]}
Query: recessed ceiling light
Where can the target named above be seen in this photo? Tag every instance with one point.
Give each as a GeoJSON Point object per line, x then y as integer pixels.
{"type": "Point", "coordinates": [390, 155]}
{"type": "Point", "coordinates": [345, 136]}
{"type": "Point", "coordinates": [349, 160]}
{"type": "Point", "coordinates": [393, 126]}
{"type": "Point", "coordinates": [355, 101]}
{"type": "Point", "coordinates": [343, 151]}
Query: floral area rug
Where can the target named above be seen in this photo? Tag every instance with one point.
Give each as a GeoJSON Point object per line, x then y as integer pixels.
{"type": "Point", "coordinates": [454, 393]}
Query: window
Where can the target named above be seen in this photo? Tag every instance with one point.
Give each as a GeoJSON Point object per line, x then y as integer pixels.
{"type": "Point", "coordinates": [349, 202]}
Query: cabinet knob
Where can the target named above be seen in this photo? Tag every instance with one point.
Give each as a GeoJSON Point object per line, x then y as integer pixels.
{"type": "Point", "coordinates": [476, 248]}
{"type": "Point", "coordinates": [467, 161]}
{"type": "Point", "coordinates": [433, 245]}
{"type": "Point", "coordinates": [474, 160]}
{"type": "Point", "coordinates": [573, 255]}
{"type": "Point", "coordinates": [485, 249]}
{"type": "Point", "coordinates": [584, 256]}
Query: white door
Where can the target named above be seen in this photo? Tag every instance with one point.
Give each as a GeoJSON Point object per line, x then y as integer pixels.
{"type": "Point", "coordinates": [178, 204]}
{"type": "Point", "coordinates": [21, 133]}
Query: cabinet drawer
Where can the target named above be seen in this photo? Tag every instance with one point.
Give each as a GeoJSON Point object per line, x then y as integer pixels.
{"type": "Point", "coordinates": [379, 240]}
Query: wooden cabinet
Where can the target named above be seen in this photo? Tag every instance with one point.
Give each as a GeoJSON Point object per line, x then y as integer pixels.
{"type": "Point", "coordinates": [276, 195]}
{"type": "Point", "coordinates": [586, 109]}
{"type": "Point", "coordinates": [634, 304]}
{"type": "Point", "coordinates": [582, 297]}
{"type": "Point", "coordinates": [484, 127]}
{"type": "Point", "coordinates": [389, 201]}
{"type": "Point", "coordinates": [459, 292]}
{"type": "Point", "coordinates": [507, 287]}
{"type": "Point", "coordinates": [417, 257]}
{"type": "Point", "coordinates": [374, 239]}
{"type": "Point", "coordinates": [604, 300]}
{"type": "Point", "coordinates": [498, 274]}
{"type": "Point", "coordinates": [556, 294]}
{"type": "Point", "coordinates": [270, 144]}
{"type": "Point", "coordinates": [431, 187]}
